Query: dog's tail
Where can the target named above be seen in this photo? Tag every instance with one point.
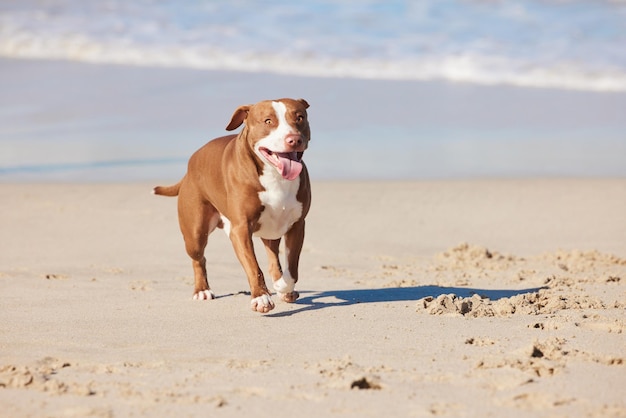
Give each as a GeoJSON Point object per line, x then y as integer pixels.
{"type": "Point", "coordinates": [167, 190]}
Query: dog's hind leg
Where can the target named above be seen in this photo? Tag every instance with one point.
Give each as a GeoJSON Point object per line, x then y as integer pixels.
{"type": "Point", "coordinates": [197, 220]}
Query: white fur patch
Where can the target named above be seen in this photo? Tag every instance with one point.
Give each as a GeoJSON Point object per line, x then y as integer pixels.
{"type": "Point", "coordinates": [285, 284]}
{"type": "Point", "coordinates": [204, 295]}
{"type": "Point", "coordinates": [226, 224]}
{"type": "Point", "coordinates": [282, 209]}
{"type": "Point", "coordinates": [262, 303]}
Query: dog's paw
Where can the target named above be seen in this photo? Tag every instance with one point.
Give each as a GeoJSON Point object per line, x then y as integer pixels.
{"type": "Point", "coordinates": [284, 285]}
{"type": "Point", "coordinates": [262, 304]}
{"type": "Point", "coordinates": [290, 297]}
{"type": "Point", "coordinates": [204, 295]}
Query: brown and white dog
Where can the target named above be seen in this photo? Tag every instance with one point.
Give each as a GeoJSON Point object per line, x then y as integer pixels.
{"type": "Point", "coordinates": [252, 183]}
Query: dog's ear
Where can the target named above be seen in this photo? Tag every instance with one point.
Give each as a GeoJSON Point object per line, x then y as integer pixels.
{"type": "Point", "coordinates": [304, 103]}
{"type": "Point", "coordinates": [239, 117]}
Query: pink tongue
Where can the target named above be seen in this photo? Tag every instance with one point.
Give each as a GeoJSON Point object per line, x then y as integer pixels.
{"type": "Point", "coordinates": [288, 168]}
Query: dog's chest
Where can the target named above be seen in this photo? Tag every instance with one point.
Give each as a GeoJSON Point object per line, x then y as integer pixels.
{"type": "Point", "coordinates": [281, 208]}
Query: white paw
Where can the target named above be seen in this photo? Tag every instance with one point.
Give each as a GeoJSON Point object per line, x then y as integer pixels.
{"type": "Point", "coordinates": [284, 285]}
{"type": "Point", "coordinates": [204, 295]}
{"type": "Point", "coordinates": [262, 304]}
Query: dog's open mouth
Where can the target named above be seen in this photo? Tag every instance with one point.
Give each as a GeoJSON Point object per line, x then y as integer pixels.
{"type": "Point", "coordinates": [288, 164]}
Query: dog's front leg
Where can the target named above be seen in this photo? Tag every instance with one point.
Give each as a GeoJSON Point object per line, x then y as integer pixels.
{"type": "Point", "coordinates": [294, 239]}
{"type": "Point", "coordinates": [241, 237]}
{"type": "Point", "coordinates": [271, 247]}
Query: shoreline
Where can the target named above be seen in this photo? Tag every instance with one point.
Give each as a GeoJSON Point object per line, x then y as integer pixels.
{"type": "Point", "coordinates": [99, 118]}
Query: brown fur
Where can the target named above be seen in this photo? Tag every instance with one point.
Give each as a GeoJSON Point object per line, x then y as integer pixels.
{"type": "Point", "coordinates": [223, 178]}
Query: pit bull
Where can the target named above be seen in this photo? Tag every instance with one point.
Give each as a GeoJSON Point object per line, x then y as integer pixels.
{"type": "Point", "coordinates": [250, 184]}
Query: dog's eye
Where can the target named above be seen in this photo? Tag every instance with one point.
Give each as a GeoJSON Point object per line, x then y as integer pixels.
{"type": "Point", "coordinates": [299, 118]}
{"type": "Point", "coordinates": [268, 121]}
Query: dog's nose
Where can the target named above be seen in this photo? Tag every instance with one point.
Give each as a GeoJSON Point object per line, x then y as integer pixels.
{"type": "Point", "coordinates": [293, 140]}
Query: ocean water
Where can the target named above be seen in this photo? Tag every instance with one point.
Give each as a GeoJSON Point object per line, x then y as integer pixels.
{"type": "Point", "coordinates": [553, 43]}
{"type": "Point", "coordinates": [126, 90]}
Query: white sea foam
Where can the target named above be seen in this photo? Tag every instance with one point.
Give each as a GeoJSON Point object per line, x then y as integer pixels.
{"type": "Point", "coordinates": [551, 44]}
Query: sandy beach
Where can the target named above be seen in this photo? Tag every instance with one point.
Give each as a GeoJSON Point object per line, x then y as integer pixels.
{"type": "Point", "coordinates": [424, 298]}
{"type": "Point", "coordinates": [465, 252]}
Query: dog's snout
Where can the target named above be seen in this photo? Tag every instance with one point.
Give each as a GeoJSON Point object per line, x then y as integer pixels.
{"type": "Point", "coordinates": [293, 140]}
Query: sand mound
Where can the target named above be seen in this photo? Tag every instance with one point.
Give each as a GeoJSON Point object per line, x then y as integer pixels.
{"type": "Point", "coordinates": [465, 256]}
{"type": "Point", "coordinates": [541, 302]}
{"type": "Point", "coordinates": [577, 261]}
{"type": "Point", "coordinates": [562, 279]}
{"type": "Point", "coordinates": [41, 376]}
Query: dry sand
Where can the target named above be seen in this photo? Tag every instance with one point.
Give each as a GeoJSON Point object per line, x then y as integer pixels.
{"type": "Point", "coordinates": [468, 298]}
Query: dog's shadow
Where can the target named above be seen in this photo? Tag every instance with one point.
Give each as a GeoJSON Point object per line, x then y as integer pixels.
{"type": "Point", "coordinates": [337, 298]}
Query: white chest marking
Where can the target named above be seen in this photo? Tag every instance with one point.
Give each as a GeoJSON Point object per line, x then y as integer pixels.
{"type": "Point", "coordinates": [282, 209]}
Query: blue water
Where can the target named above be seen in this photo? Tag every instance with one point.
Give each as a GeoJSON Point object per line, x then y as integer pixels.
{"type": "Point", "coordinates": [127, 90]}
{"type": "Point", "coordinates": [573, 45]}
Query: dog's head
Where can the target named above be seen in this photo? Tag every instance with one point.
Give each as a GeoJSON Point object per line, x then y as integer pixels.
{"type": "Point", "coordinates": [278, 131]}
